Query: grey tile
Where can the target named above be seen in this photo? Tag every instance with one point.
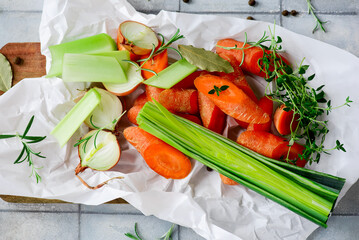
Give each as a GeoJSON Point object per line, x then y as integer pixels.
{"type": "Point", "coordinates": [43, 207]}
{"type": "Point", "coordinates": [339, 227]}
{"type": "Point", "coordinates": [323, 5]}
{"type": "Point", "coordinates": [111, 208]}
{"type": "Point", "coordinates": [20, 5]}
{"type": "Point", "coordinates": [108, 227]}
{"type": "Point", "coordinates": [40, 226]}
{"type": "Point", "coordinates": [229, 6]}
{"type": "Point", "coordinates": [155, 6]}
{"type": "Point", "coordinates": [340, 29]}
{"type": "Point", "coordinates": [188, 233]}
{"type": "Point", "coordinates": [349, 204]}
{"type": "Point", "coordinates": [19, 27]}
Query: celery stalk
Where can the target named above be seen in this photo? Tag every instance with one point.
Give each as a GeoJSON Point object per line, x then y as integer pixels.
{"type": "Point", "coordinates": [172, 74]}
{"type": "Point", "coordinates": [119, 55]}
{"type": "Point", "coordinates": [299, 194]}
{"type": "Point", "coordinates": [77, 115]}
{"type": "Point", "coordinates": [98, 43]}
{"type": "Point", "coordinates": [92, 68]}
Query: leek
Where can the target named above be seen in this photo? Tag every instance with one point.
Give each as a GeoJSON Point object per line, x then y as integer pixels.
{"type": "Point", "coordinates": [77, 115]}
{"type": "Point", "coordinates": [305, 192]}
{"type": "Point", "coordinates": [172, 74]}
{"type": "Point", "coordinates": [98, 43]}
{"type": "Point", "coordinates": [92, 68]}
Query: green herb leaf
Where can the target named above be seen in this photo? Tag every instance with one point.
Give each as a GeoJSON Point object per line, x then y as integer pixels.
{"type": "Point", "coordinates": [5, 74]}
{"type": "Point", "coordinates": [212, 91]}
{"type": "Point", "coordinates": [204, 59]}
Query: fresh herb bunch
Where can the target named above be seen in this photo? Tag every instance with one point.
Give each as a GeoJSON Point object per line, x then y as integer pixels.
{"type": "Point", "coordinates": [291, 88]}
{"type": "Point", "coordinates": [218, 90]}
{"type": "Point", "coordinates": [155, 51]}
{"type": "Point", "coordinates": [319, 23]}
{"type": "Point", "coordinates": [26, 150]}
{"type": "Point", "coordinates": [166, 236]}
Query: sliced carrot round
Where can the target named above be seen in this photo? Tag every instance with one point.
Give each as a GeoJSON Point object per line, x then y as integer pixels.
{"type": "Point", "coordinates": [227, 180]}
{"type": "Point", "coordinates": [284, 121]}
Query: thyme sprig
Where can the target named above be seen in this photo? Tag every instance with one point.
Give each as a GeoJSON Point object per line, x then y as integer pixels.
{"type": "Point", "coordinates": [166, 236]}
{"type": "Point", "coordinates": [27, 153]}
{"type": "Point", "coordinates": [319, 23]}
{"type": "Point", "coordinates": [218, 90]}
{"type": "Point", "coordinates": [291, 88]}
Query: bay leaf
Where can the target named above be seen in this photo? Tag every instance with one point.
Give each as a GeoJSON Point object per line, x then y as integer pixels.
{"type": "Point", "coordinates": [204, 59]}
{"type": "Point", "coordinates": [5, 74]}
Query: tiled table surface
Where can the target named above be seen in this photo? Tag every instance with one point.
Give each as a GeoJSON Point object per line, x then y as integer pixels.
{"type": "Point", "coordinates": [19, 22]}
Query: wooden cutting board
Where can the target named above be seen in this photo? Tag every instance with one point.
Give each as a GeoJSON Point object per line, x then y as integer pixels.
{"type": "Point", "coordinates": [27, 62]}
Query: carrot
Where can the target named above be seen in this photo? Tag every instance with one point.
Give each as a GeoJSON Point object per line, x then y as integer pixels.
{"type": "Point", "coordinates": [133, 112]}
{"type": "Point", "coordinates": [283, 120]}
{"type": "Point", "coordinates": [270, 145]}
{"type": "Point", "coordinates": [232, 101]}
{"type": "Point", "coordinates": [252, 56]}
{"type": "Point", "coordinates": [227, 180]}
{"type": "Point", "coordinates": [190, 117]}
{"type": "Point", "coordinates": [213, 118]}
{"type": "Point", "coordinates": [156, 63]}
{"type": "Point", "coordinates": [159, 156]}
{"type": "Point", "coordinates": [184, 101]}
{"type": "Point", "coordinates": [141, 100]}
{"type": "Point", "coordinates": [266, 104]}
{"type": "Point", "coordinates": [153, 92]}
{"type": "Point", "coordinates": [188, 82]}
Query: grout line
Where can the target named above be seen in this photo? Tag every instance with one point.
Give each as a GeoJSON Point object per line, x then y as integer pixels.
{"type": "Point", "coordinates": [20, 11]}
{"type": "Point", "coordinates": [280, 12]}
{"type": "Point", "coordinates": [178, 231]}
{"type": "Point", "coordinates": [179, 5]}
{"type": "Point", "coordinates": [79, 222]}
{"type": "Point", "coordinates": [34, 211]}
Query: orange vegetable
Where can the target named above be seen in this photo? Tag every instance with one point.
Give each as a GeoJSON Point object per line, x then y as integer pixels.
{"type": "Point", "coordinates": [232, 101]}
{"type": "Point", "coordinates": [141, 100]}
{"type": "Point", "coordinates": [270, 145]}
{"type": "Point", "coordinates": [153, 92]}
{"type": "Point", "coordinates": [133, 112]}
{"type": "Point", "coordinates": [283, 119]}
{"type": "Point", "coordinates": [266, 104]}
{"type": "Point", "coordinates": [156, 63]}
{"type": "Point", "coordinates": [212, 117]}
{"type": "Point", "coordinates": [190, 117]}
{"type": "Point", "coordinates": [227, 180]}
{"type": "Point", "coordinates": [179, 100]}
{"type": "Point", "coordinates": [188, 82]}
{"type": "Point", "coordinates": [159, 156]}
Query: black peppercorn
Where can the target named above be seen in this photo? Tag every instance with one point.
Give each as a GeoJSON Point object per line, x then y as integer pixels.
{"type": "Point", "coordinates": [251, 3]}
{"type": "Point", "coordinates": [185, 1]}
{"type": "Point", "coordinates": [293, 13]}
{"type": "Point", "coordinates": [18, 61]}
{"type": "Point", "coordinates": [209, 169]}
{"type": "Point", "coordinates": [285, 13]}
{"type": "Point", "coordinates": [250, 18]}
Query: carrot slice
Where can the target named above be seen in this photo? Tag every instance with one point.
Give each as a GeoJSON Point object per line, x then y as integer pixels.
{"type": "Point", "coordinates": [282, 150]}
{"type": "Point", "coordinates": [179, 100]}
{"type": "Point", "coordinates": [141, 100]}
{"type": "Point", "coordinates": [159, 156]}
{"type": "Point", "coordinates": [283, 120]}
{"type": "Point", "coordinates": [190, 117]}
{"type": "Point", "coordinates": [133, 112]}
{"type": "Point", "coordinates": [232, 101]}
{"type": "Point", "coordinates": [156, 63]}
{"type": "Point", "coordinates": [227, 180]}
{"type": "Point", "coordinates": [153, 92]}
{"type": "Point", "coordinates": [213, 118]}
{"type": "Point", "coordinates": [266, 104]}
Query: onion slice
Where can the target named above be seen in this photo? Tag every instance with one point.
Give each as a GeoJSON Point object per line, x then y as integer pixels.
{"type": "Point", "coordinates": [109, 109]}
{"type": "Point", "coordinates": [137, 37]}
{"type": "Point", "coordinates": [134, 78]}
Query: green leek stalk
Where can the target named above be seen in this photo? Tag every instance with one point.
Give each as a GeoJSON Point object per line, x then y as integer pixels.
{"type": "Point", "coordinates": [77, 115]}
{"type": "Point", "coordinates": [172, 74]}
{"type": "Point", "coordinates": [305, 192]}
{"type": "Point", "coordinates": [94, 44]}
{"type": "Point", "coordinates": [92, 68]}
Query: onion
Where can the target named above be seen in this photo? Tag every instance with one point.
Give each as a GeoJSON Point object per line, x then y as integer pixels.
{"type": "Point", "coordinates": [109, 109]}
{"type": "Point", "coordinates": [136, 37]}
{"type": "Point", "coordinates": [134, 78]}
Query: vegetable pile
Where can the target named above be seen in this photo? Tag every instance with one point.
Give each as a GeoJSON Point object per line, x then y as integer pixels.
{"type": "Point", "coordinates": [181, 111]}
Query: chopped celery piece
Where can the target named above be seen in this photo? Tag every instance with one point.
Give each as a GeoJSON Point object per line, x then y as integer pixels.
{"type": "Point", "coordinates": [119, 55]}
{"type": "Point", "coordinates": [172, 74]}
{"type": "Point", "coordinates": [77, 115]}
{"type": "Point", "coordinates": [309, 197]}
{"type": "Point", "coordinates": [98, 43]}
{"type": "Point", "coordinates": [92, 68]}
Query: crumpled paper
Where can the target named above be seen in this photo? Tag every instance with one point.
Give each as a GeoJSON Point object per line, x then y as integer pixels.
{"type": "Point", "coordinates": [200, 201]}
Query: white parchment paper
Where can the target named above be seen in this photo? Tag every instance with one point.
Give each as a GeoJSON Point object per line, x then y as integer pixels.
{"type": "Point", "coordinates": [200, 201]}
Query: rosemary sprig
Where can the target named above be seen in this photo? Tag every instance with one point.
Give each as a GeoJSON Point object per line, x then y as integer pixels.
{"type": "Point", "coordinates": [217, 90]}
{"type": "Point", "coordinates": [137, 237]}
{"type": "Point", "coordinates": [166, 236]}
{"type": "Point", "coordinates": [26, 150]}
{"type": "Point", "coordinates": [319, 23]}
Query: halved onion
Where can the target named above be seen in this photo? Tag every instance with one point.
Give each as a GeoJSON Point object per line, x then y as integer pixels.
{"type": "Point", "coordinates": [101, 156]}
{"type": "Point", "coordinates": [134, 78]}
{"type": "Point", "coordinates": [109, 109]}
{"type": "Point", "coordinates": [136, 37]}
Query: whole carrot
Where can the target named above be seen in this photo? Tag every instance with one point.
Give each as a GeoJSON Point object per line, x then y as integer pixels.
{"type": "Point", "coordinates": [232, 101]}
{"type": "Point", "coordinates": [179, 100]}
{"type": "Point", "coordinates": [159, 156]}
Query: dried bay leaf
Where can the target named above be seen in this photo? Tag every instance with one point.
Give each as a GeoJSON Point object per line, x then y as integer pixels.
{"type": "Point", "coordinates": [5, 74]}
{"type": "Point", "coordinates": [204, 59]}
